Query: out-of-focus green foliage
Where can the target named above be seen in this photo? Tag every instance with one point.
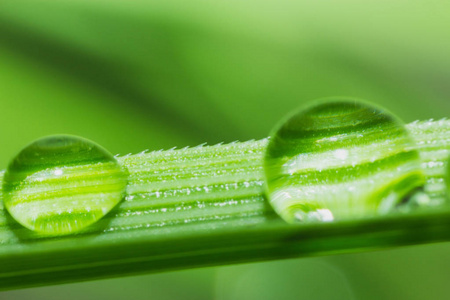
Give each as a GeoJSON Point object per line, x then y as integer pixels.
{"type": "Point", "coordinates": [135, 75]}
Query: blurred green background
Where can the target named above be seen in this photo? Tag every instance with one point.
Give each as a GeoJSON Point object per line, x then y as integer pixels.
{"type": "Point", "coordinates": [135, 75]}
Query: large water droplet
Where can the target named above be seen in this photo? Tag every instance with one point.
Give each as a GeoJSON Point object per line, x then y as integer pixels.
{"type": "Point", "coordinates": [340, 159]}
{"type": "Point", "coordinates": [61, 184]}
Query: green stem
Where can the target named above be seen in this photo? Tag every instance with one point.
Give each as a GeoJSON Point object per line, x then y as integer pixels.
{"type": "Point", "coordinates": [205, 206]}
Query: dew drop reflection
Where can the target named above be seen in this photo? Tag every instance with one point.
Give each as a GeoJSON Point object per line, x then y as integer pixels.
{"type": "Point", "coordinates": [340, 159]}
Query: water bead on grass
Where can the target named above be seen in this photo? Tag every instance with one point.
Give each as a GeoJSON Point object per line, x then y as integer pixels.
{"type": "Point", "coordinates": [340, 159]}
{"type": "Point", "coordinates": [61, 184]}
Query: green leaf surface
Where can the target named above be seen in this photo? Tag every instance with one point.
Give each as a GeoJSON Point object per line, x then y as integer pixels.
{"type": "Point", "coordinates": [205, 206]}
{"type": "Point", "coordinates": [114, 71]}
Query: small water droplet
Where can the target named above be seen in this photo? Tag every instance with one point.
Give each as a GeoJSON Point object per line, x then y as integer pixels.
{"type": "Point", "coordinates": [340, 159]}
{"type": "Point", "coordinates": [61, 184]}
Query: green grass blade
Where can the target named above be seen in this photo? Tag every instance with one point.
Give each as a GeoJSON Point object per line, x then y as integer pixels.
{"type": "Point", "coordinates": [205, 206]}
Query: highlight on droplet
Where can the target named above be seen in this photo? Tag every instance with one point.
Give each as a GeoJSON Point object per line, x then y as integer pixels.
{"type": "Point", "coordinates": [61, 184]}
{"type": "Point", "coordinates": [339, 159]}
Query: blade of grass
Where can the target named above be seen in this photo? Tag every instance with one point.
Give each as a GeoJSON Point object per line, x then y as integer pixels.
{"type": "Point", "coordinates": [205, 206]}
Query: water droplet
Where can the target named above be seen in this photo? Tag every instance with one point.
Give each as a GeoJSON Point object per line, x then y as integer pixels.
{"type": "Point", "coordinates": [61, 184]}
{"type": "Point", "coordinates": [340, 159]}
